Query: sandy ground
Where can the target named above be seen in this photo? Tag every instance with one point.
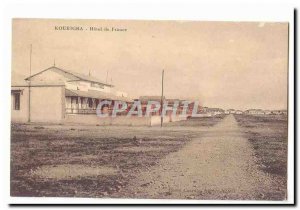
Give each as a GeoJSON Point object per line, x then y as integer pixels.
{"type": "Point", "coordinates": [218, 165]}
{"type": "Point", "coordinates": [236, 157]}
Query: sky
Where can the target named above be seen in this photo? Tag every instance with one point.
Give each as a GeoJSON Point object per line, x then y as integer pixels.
{"type": "Point", "coordinates": [238, 65]}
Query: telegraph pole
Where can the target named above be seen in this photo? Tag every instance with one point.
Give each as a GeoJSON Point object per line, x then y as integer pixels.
{"type": "Point", "coordinates": [162, 98]}
{"type": "Point", "coordinates": [106, 76]}
{"type": "Point", "coordinates": [29, 91]}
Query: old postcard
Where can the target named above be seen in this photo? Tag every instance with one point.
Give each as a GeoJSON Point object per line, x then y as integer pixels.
{"type": "Point", "coordinates": [190, 110]}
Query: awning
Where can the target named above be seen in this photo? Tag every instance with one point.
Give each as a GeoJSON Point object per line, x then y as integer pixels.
{"type": "Point", "coordinates": [96, 94]}
{"type": "Point", "coordinates": [17, 90]}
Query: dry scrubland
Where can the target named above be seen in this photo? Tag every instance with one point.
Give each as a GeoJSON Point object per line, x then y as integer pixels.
{"type": "Point", "coordinates": [269, 138]}
{"type": "Point", "coordinates": [89, 161]}
{"type": "Point", "coordinates": [111, 161]}
{"type": "Point", "coordinates": [219, 164]}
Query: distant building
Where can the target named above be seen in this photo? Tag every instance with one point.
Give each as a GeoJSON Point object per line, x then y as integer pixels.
{"type": "Point", "coordinates": [212, 111]}
{"type": "Point", "coordinates": [279, 112]}
{"type": "Point", "coordinates": [171, 102]}
{"type": "Point", "coordinates": [239, 112]}
{"type": "Point", "coordinates": [255, 112]}
{"type": "Point", "coordinates": [230, 111]}
{"type": "Point", "coordinates": [268, 112]}
{"type": "Point", "coordinates": [145, 100]}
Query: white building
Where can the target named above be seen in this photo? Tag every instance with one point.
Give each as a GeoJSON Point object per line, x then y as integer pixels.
{"type": "Point", "coordinates": [255, 112]}
{"type": "Point", "coordinates": [212, 111]}
{"type": "Point", "coordinates": [230, 111]}
{"type": "Point", "coordinates": [239, 112]}
{"type": "Point", "coordinates": [54, 93]}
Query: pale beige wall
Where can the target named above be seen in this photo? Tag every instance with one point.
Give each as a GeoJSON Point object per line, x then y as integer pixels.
{"type": "Point", "coordinates": [85, 86]}
{"type": "Point", "coordinates": [156, 120]}
{"type": "Point", "coordinates": [47, 104]}
{"type": "Point", "coordinates": [52, 75]}
{"type": "Point", "coordinates": [22, 114]}
{"type": "Point", "coordinates": [63, 103]}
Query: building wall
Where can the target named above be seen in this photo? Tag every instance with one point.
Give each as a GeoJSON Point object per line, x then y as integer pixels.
{"type": "Point", "coordinates": [121, 93]}
{"type": "Point", "coordinates": [52, 75]}
{"type": "Point", "coordinates": [106, 89]}
{"type": "Point", "coordinates": [22, 114]}
{"type": "Point", "coordinates": [85, 86]}
{"type": "Point", "coordinates": [47, 104]}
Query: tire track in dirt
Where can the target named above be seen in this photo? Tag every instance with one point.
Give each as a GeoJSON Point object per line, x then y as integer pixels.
{"type": "Point", "coordinates": [218, 165]}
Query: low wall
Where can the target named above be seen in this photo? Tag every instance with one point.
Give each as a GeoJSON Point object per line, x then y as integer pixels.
{"type": "Point", "coordinates": [119, 120]}
{"type": "Point", "coordinates": [177, 118]}
{"type": "Point", "coordinates": [156, 120]}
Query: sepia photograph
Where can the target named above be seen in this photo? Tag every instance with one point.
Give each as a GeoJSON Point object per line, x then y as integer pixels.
{"type": "Point", "coordinates": [149, 109]}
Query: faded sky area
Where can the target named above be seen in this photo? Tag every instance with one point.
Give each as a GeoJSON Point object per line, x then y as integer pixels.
{"type": "Point", "coordinates": [223, 64]}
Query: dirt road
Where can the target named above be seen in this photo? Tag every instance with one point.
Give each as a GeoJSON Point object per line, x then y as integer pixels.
{"type": "Point", "coordinates": [219, 165]}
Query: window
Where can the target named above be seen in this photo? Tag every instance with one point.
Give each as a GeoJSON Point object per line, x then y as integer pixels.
{"type": "Point", "coordinates": [74, 100]}
{"type": "Point", "coordinates": [16, 101]}
{"type": "Point", "coordinates": [90, 102]}
{"type": "Point", "coordinates": [97, 102]}
{"type": "Point", "coordinates": [105, 105]}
